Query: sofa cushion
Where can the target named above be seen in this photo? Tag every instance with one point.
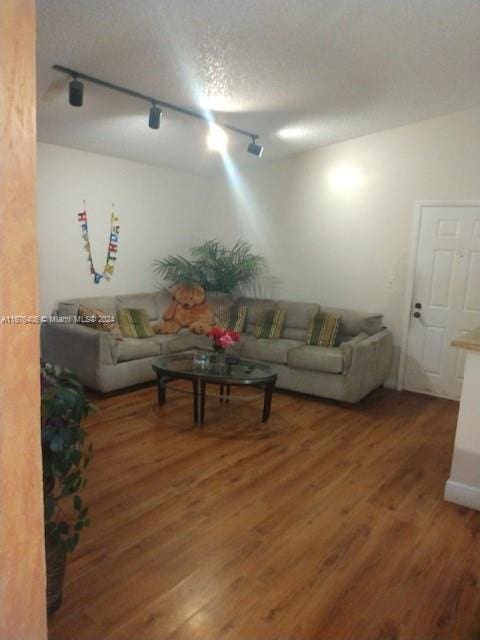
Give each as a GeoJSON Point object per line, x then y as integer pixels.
{"type": "Point", "coordinates": [172, 343]}
{"type": "Point", "coordinates": [254, 307]}
{"type": "Point", "coordinates": [326, 359]}
{"type": "Point", "coordinates": [147, 301]}
{"type": "Point", "coordinates": [268, 350]}
{"type": "Point", "coordinates": [163, 299]}
{"type": "Point", "coordinates": [355, 322]}
{"type": "Point", "coordinates": [134, 349]}
{"type": "Point", "coordinates": [297, 318]}
{"type": "Point", "coordinates": [68, 310]}
{"type": "Point", "coordinates": [298, 314]}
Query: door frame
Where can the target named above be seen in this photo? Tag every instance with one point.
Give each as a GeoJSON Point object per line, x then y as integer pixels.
{"type": "Point", "coordinates": [412, 265]}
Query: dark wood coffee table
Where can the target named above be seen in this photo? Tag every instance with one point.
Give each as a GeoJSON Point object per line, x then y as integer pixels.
{"type": "Point", "coordinates": [245, 372]}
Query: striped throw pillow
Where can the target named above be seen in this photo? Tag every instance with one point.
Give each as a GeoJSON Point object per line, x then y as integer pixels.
{"type": "Point", "coordinates": [323, 329]}
{"type": "Point", "coordinates": [134, 323]}
{"type": "Point", "coordinates": [233, 317]}
{"type": "Point", "coordinates": [269, 324]}
{"type": "Point", "coordinates": [98, 319]}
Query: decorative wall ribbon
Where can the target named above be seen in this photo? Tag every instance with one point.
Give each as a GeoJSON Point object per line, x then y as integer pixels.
{"type": "Point", "coordinates": [107, 272]}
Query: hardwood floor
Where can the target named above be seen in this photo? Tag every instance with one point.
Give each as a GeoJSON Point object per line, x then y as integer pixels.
{"type": "Point", "coordinates": [328, 525]}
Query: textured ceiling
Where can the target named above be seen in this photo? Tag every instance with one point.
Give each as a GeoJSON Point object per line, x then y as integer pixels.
{"type": "Point", "coordinates": [301, 73]}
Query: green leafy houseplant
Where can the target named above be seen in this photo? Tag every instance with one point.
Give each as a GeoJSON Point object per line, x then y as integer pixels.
{"type": "Point", "coordinates": [65, 455]}
{"type": "Point", "coordinates": [214, 267]}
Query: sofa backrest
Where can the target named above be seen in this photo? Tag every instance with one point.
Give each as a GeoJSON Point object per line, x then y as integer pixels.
{"type": "Point", "coordinates": [355, 322]}
{"type": "Point", "coordinates": [70, 306]}
{"type": "Point", "coordinates": [254, 307]}
{"type": "Point", "coordinates": [154, 302]}
{"type": "Point", "coordinates": [298, 314]}
{"type": "Point", "coordinates": [297, 318]}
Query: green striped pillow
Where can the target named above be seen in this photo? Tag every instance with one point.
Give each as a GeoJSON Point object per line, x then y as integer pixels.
{"type": "Point", "coordinates": [134, 323]}
{"type": "Point", "coordinates": [323, 329]}
{"type": "Point", "coordinates": [269, 324]}
{"type": "Point", "coordinates": [233, 317]}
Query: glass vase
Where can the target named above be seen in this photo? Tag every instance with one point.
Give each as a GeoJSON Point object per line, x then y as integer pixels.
{"type": "Point", "coordinates": [219, 357]}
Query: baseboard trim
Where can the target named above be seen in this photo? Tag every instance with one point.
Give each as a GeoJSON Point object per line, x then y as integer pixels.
{"type": "Point", "coordinates": [464, 494]}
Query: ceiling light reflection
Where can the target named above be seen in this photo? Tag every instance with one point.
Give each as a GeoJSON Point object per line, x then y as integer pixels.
{"type": "Point", "coordinates": [294, 133]}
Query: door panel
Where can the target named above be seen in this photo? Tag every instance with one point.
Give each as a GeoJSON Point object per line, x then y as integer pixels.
{"type": "Point", "coordinates": [442, 278]}
{"type": "Point", "coordinates": [447, 288]}
{"type": "Point", "coordinates": [433, 351]}
{"type": "Point", "coordinates": [447, 228]}
{"type": "Point", "coordinates": [472, 290]}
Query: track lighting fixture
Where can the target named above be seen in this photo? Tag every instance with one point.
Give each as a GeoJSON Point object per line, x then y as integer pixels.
{"type": "Point", "coordinates": [155, 117]}
{"type": "Point", "coordinates": [75, 92]}
{"type": "Point", "coordinates": [254, 148]}
{"type": "Point", "coordinates": [217, 138]}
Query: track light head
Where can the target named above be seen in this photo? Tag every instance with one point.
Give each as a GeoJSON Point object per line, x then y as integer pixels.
{"type": "Point", "coordinates": [254, 148]}
{"type": "Point", "coordinates": [75, 92]}
{"type": "Point", "coordinates": [155, 117]}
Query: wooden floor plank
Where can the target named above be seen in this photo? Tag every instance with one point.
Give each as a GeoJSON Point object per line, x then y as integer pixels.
{"type": "Point", "coordinates": [328, 523]}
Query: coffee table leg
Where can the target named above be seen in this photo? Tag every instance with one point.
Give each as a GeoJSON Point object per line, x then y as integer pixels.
{"type": "Point", "coordinates": [161, 391]}
{"type": "Point", "coordinates": [221, 394]}
{"type": "Point", "coordinates": [228, 394]}
{"type": "Point", "coordinates": [195, 400]}
{"type": "Point", "coordinates": [267, 402]}
{"type": "Point", "coordinates": [203, 393]}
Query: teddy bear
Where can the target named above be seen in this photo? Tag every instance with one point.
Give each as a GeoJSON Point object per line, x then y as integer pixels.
{"type": "Point", "coordinates": [187, 309]}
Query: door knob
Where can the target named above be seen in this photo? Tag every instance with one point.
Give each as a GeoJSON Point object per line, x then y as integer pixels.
{"type": "Point", "coordinates": [418, 305]}
{"type": "Point", "coordinates": [417, 314]}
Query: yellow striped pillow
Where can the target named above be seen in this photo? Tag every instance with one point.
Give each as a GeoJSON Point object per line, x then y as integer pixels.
{"type": "Point", "coordinates": [233, 317]}
{"type": "Point", "coordinates": [269, 324]}
{"type": "Point", "coordinates": [134, 323]}
{"type": "Point", "coordinates": [323, 329]}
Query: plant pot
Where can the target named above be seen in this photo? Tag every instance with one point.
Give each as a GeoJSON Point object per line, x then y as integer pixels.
{"type": "Point", "coordinates": [56, 558]}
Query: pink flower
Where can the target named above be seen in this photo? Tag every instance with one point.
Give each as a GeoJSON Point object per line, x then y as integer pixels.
{"type": "Point", "coordinates": [226, 341]}
{"type": "Point", "coordinates": [223, 338]}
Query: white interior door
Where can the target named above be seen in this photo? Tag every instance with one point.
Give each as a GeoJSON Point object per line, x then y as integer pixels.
{"type": "Point", "coordinates": [446, 298]}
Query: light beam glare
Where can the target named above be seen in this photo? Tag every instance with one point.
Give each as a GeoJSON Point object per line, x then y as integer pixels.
{"type": "Point", "coordinates": [217, 139]}
{"type": "Point", "coordinates": [249, 216]}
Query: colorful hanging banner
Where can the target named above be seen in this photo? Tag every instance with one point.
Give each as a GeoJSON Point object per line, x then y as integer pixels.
{"type": "Point", "coordinates": [107, 272]}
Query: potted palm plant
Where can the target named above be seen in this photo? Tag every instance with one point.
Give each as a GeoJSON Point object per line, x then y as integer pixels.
{"type": "Point", "coordinates": [65, 454]}
{"type": "Point", "coordinates": [214, 267]}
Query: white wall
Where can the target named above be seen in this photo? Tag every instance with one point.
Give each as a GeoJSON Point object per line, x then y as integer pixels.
{"type": "Point", "coordinates": [160, 211]}
{"type": "Point", "coordinates": [338, 244]}
{"type": "Point", "coordinates": [463, 485]}
{"type": "Point", "coordinates": [348, 246]}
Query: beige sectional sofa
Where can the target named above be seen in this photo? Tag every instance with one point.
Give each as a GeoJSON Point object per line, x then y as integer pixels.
{"type": "Point", "coordinates": [359, 363]}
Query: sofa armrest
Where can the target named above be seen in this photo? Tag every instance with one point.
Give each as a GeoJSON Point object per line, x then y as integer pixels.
{"type": "Point", "coordinates": [83, 350]}
{"type": "Point", "coordinates": [370, 350]}
{"type": "Point", "coordinates": [372, 360]}
{"type": "Point", "coordinates": [347, 348]}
